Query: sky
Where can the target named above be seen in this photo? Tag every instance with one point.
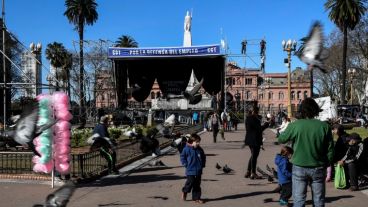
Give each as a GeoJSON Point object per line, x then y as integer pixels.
{"type": "Point", "coordinates": [160, 23]}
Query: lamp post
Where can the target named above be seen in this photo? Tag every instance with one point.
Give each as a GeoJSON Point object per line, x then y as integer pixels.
{"type": "Point", "coordinates": [289, 46]}
{"type": "Point", "coordinates": [352, 73]}
{"type": "Point", "coordinates": [268, 81]}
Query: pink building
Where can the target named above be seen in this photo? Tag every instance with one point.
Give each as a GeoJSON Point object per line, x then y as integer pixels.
{"type": "Point", "coordinates": [105, 90]}
{"type": "Point", "coordinates": [269, 89]}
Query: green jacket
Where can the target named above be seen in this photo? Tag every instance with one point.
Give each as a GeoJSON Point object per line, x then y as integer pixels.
{"type": "Point", "coordinates": [312, 142]}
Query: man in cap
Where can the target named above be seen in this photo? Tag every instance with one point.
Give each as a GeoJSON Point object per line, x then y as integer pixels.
{"type": "Point", "coordinates": [351, 159]}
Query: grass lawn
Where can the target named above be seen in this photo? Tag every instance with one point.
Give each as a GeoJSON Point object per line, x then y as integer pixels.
{"type": "Point", "coordinates": [363, 132]}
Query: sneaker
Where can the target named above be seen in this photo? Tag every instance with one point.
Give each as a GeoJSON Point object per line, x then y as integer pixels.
{"type": "Point", "coordinates": [113, 172]}
{"type": "Point", "coordinates": [184, 196]}
{"type": "Point", "coordinates": [283, 203]}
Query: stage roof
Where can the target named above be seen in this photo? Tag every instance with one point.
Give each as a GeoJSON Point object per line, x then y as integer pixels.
{"type": "Point", "coordinates": [171, 66]}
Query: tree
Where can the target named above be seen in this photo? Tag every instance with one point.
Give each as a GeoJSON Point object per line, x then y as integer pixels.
{"type": "Point", "coordinates": [55, 53]}
{"type": "Point", "coordinates": [126, 41]}
{"type": "Point", "coordinates": [80, 13]}
{"type": "Point", "coordinates": [346, 14]}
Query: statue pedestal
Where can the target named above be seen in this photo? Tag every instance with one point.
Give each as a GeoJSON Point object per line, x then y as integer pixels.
{"type": "Point", "coordinates": [149, 118]}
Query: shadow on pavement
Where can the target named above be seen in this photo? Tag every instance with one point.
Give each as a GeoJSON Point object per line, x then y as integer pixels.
{"type": "Point", "coordinates": [148, 169]}
{"type": "Point", "coordinates": [237, 196]}
{"type": "Point", "coordinates": [210, 155]}
{"type": "Point", "coordinates": [159, 197]}
{"type": "Point", "coordinates": [114, 204]}
{"type": "Point", "coordinates": [132, 179]}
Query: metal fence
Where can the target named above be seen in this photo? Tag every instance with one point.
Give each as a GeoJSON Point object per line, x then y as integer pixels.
{"type": "Point", "coordinates": [84, 164]}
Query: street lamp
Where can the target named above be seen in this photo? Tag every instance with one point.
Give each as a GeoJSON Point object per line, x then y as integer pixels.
{"type": "Point", "coordinates": [352, 73]}
{"type": "Point", "coordinates": [268, 81]}
{"type": "Point", "coordinates": [289, 46]}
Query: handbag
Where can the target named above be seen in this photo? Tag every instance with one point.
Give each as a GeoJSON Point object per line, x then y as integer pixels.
{"type": "Point", "coordinates": [340, 180]}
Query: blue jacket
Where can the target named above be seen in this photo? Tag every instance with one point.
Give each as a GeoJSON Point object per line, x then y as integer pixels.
{"type": "Point", "coordinates": [193, 159]}
{"type": "Point", "coordinates": [284, 168]}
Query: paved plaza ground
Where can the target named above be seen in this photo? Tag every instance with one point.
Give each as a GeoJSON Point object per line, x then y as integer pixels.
{"type": "Point", "coordinates": [161, 186]}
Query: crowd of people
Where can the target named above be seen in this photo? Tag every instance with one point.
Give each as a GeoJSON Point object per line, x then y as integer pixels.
{"type": "Point", "coordinates": [307, 158]}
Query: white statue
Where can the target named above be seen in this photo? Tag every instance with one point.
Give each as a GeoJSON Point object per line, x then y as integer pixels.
{"type": "Point", "coordinates": [187, 30]}
{"type": "Point", "coordinates": [187, 22]}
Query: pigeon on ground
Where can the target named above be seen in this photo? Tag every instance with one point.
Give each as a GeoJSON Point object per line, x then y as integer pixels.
{"type": "Point", "coordinates": [60, 197]}
{"type": "Point", "coordinates": [272, 170]}
{"type": "Point", "coordinates": [312, 52]}
{"type": "Point", "coordinates": [226, 169]}
{"type": "Point", "coordinates": [218, 166]}
{"type": "Point", "coordinates": [264, 174]}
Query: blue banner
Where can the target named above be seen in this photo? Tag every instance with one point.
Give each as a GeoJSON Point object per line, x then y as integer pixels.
{"type": "Point", "coordinates": [119, 52]}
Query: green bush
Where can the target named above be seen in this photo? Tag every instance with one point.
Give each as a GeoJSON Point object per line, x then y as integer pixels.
{"type": "Point", "coordinates": [115, 133]}
{"type": "Point", "coordinates": [79, 137]}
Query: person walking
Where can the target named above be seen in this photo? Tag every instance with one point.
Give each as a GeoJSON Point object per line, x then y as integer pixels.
{"type": "Point", "coordinates": [254, 139]}
{"type": "Point", "coordinates": [215, 122]}
{"type": "Point", "coordinates": [193, 159]}
{"type": "Point", "coordinates": [313, 146]}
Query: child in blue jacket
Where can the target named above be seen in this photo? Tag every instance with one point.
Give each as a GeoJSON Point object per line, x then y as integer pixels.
{"type": "Point", "coordinates": [284, 172]}
{"type": "Point", "coordinates": [194, 160]}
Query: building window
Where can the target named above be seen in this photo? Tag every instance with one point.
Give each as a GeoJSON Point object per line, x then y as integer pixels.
{"type": "Point", "coordinates": [248, 95]}
{"type": "Point", "coordinates": [270, 95]}
{"type": "Point", "coordinates": [248, 81]}
{"type": "Point", "coordinates": [260, 96]}
{"type": "Point", "coordinates": [305, 94]}
{"type": "Point", "coordinates": [298, 95]}
{"type": "Point", "coordinates": [281, 95]}
{"type": "Point", "coordinates": [158, 94]}
{"type": "Point", "coordinates": [102, 97]}
{"type": "Point", "coordinates": [292, 95]}
{"type": "Point", "coordinates": [152, 95]}
{"type": "Point", "coordinates": [233, 81]}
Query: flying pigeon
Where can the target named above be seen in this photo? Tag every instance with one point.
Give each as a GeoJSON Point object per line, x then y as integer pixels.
{"type": "Point", "coordinates": [218, 166]}
{"type": "Point", "coordinates": [272, 170]}
{"type": "Point", "coordinates": [226, 169]}
{"type": "Point", "coordinates": [312, 52]}
{"type": "Point", "coordinates": [193, 96]}
{"type": "Point", "coordinates": [60, 197]}
{"type": "Point", "coordinates": [264, 174]}
{"type": "Point", "coordinates": [26, 128]}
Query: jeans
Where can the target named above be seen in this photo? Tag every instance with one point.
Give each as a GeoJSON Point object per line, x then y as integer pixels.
{"type": "Point", "coordinates": [315, 177]}
{"type": "Point", "coordinates": [193, 182]}
{"type": "Point", "coordinates": [351, 174]}
{"type": "Point", "coordinates": [252, 163]}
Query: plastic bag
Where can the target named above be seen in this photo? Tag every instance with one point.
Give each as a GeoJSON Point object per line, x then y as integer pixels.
{"type": "Point", "coordinates": [340, 181]}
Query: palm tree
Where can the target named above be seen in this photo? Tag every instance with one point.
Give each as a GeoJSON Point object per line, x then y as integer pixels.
{"type": "Point", "coordinates": [55, 53]}
{"type": "Point", "coordinates": [80, 13]}
{"type": "Point", "coordinates": [66, 67]}
{"type": "Point", "coordinates": [126, 41]}
{"type": "Point", "coordinates": [346, 14]}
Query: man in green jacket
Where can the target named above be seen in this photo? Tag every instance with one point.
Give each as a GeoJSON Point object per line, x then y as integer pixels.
{"type": "Point", "coordinates": [313, 145]}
